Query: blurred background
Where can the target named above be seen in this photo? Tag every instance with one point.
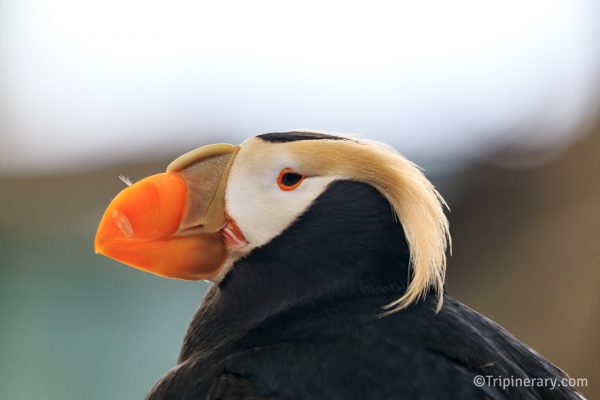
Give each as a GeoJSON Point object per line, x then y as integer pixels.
{"type": "Point", "coordinates": [499, 101]}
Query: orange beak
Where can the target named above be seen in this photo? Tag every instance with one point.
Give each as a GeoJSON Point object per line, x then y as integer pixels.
{"type": "Point", "coordinates": [170, 224]}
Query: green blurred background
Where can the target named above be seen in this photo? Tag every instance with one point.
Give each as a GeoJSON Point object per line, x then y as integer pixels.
{"type": "Point", "coordinates": [499, 102]}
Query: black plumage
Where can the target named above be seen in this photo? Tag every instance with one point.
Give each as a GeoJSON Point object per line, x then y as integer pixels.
{"type": "Point", "coordinates": [294, 136]}
{"type": "Point", "coordinates": [300, 318]}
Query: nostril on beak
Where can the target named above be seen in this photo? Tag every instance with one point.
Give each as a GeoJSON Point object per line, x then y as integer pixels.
{"type": "Point", "coordinates": [196, 229]}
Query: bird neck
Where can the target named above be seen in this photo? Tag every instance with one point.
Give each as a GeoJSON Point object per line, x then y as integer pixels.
{"type": "Point", "coordinates": [348, 245]}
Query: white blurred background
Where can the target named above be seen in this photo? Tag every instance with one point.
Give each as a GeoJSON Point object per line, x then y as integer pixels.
{"type": "Point", "coordinates": [498, 100]}
{"type": "Point", "coordinates": [86, 83]}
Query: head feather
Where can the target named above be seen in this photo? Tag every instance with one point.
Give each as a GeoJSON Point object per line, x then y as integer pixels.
{"type": "Point", "coordinates": [415, 201]}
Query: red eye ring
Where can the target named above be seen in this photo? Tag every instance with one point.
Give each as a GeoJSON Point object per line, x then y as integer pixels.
{"type": "Point", "coordinates": [289, 180]}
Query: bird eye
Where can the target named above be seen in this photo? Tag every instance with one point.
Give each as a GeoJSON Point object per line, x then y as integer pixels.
{"type": "Point", "coordinates": [289, 180]}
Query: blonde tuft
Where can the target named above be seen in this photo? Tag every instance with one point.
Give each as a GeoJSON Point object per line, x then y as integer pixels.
{"type": "Point", "coordinates": [415, 201]}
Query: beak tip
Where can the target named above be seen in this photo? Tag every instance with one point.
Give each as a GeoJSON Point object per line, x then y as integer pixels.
{"type": "Point", "coordinates": [98, 247]}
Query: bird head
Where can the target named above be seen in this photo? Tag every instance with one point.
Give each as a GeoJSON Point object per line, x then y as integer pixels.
{"type": "Point", "coordinates": [220, 203]}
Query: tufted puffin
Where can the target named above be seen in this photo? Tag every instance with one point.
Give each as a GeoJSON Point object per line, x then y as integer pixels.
{"type": "Point", "coordinates": [327, 255]}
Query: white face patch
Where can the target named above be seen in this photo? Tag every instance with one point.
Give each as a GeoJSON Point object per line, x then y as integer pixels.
{"type": "Point", "coordinates": [254, 200]}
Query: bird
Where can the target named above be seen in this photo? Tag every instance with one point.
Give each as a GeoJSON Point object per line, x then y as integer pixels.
{"type": "Point", "coordinates": [327, 256]}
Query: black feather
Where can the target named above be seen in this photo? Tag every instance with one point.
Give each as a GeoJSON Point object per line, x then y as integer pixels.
{"type": "Point", "coordinates": [299, 319]}
{"type": "Point", "coordinates": [294, 136]}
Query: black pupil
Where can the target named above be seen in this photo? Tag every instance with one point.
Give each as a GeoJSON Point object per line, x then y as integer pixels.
{"type": "Point", "coordinates": [290, 178]}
